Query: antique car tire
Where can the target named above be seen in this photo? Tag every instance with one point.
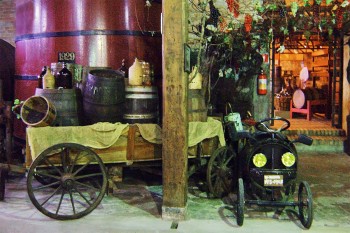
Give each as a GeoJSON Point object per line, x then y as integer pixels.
{"type": "Point", "coordinates": [76, 184]}
{"type": "Point", "coordinates": [305, 201]}
{"type": "Point", "coordinates": [240, 202]}
{"type": "Point", "coordinates": [220, 172]}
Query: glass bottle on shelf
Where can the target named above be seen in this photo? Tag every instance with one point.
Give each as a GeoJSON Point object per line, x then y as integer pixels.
{"type": "Point", "coordinates": [40, 77]}
{"type": "Point", "coordinates": [65, 78]}
{"type": "Point", "coordinates": [48, 79]}
{"type": "Point", "coordinates": [123, 69]}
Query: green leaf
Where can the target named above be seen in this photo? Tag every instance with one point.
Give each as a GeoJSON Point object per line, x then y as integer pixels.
{"type": "Point", "coordinates": [294, 8]}
{"type": "Point", "coordinates": [307, 35]}
{"type": "Point", "coordinates": [227, 39]}
{"type": "Point", "coordinates": [328, 2]}
{"type": "Point", "coordinates": [318, 2]}
{"type": "Point", "coordinates": [330, 31]}
{"type": "Point", "coordinates": [306, 3]}
{"type": "Point", "coordinates": [272, 6]}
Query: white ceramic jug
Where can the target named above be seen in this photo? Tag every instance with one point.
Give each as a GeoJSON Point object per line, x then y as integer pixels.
{"type": "Point", "coordinates": [195, 79]}
{"type": "Point", "coordinates": [135, 73]}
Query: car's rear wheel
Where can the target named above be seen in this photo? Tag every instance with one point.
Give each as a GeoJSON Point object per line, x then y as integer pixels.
{"type": "Point", "coordinates": [305, 205]}
{"type": "Point", "coordinates": [240, 202]}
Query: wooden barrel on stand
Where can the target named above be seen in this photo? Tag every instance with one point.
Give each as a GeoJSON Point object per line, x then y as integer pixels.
{"type": "Point", "coordinates": [103, 97]}
{"type": "Point", "coordinates": [141, 104]}
{"type": "Point", "coordinates": [67, 104]}
{"type": "Point", "coordinates": [301, 96]}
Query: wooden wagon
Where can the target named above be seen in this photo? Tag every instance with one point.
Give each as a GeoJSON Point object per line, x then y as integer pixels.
{"type": "Point", "coordinates": [69, 169]}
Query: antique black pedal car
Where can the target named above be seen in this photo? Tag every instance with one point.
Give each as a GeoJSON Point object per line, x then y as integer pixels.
{"type": "Point", "coordinates": [262, 166]}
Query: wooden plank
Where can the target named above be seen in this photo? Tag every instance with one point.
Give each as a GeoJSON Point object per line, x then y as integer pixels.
{"type": "Point", "coordinates": [291, 57]}
{"type": "Point", "coordinates": [175, 119]}
{"type": "Point", "coordinates": [131, 142]}
{"type": "Point", "coordinates": [320, 73]}
{"type": "Point", "coordinates": [320, 63]}
{"type": "Point", "coordinates": [320, 52]}
{"type": "Point", "coordinates": [12, 168]}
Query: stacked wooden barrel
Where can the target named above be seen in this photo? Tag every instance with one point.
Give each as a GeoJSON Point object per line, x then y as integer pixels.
{"type": "Point", "coordinates": [301, 96]}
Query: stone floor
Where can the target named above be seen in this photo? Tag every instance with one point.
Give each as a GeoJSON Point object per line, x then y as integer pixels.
{"type": "Point", "coordinates": [136, 206]}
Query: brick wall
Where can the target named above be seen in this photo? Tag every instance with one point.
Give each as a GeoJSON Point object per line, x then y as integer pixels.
{"type": "Point", "coordinates": [8, 20]}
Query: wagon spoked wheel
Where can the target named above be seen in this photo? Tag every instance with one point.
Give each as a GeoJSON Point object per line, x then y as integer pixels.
{"type": "Point", "coordinates": [240, 203]}
{"type": "Point", "coordinates": [220, 172]}
{"type": "Point", "coordinates": [305, 204]}
{"type": "Point", "coordinates": [75, 181]}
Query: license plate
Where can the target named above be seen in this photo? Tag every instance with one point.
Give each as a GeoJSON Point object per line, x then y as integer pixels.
{"type": "Point", "coordinates": [273, 180]}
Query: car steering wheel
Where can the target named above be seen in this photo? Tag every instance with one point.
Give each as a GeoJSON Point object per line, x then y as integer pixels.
{"type": "Point", "coordinates": [260, 125]}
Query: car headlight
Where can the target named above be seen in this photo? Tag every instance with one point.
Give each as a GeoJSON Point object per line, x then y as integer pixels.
{"type": "Point", "coordinates": [259, 160]}
{"type": "Point", "coordinates": [288, 159]}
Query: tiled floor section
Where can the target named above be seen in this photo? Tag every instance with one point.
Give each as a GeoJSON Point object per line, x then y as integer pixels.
{"type": "Point", "coordinates": [136, 207]}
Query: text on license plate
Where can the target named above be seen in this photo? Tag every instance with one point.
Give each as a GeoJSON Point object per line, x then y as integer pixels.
{"type": "Point", "coordinates": [273, 180]}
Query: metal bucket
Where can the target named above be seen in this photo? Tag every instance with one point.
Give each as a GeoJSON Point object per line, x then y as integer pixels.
{"type": "Point", "coordinates": [38, 111]}
{"type": "Point", "coordinates": [141, 104]}
{"type": "Point", "coordinates": [67, 105]}
{"type": "Point", "coordinates": [104, 97]}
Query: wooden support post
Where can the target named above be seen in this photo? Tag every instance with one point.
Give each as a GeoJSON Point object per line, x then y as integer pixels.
{"type": "Point", "coordinates": [175, 119]}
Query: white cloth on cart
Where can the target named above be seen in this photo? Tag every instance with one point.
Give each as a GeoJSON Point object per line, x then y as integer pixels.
{"type": "Point", "coordinates": [99, 136]}
{"type": "Point", "coordinates": [103, 134]}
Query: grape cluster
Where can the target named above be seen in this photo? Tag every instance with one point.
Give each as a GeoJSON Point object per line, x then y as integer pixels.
{"type": "Point", "coordinates": [339, 17]}
{"type": "Point", "coordinates": [214, 14]}
{"type": "Point", "coordinates": [230, 5]}
{"type": "Point", "coordinates": [316, 13]}
{"type": "Point", "coordinates": [281, 12]}
{"type": "Point", "coordinates": [233, 7]}
{"type": "Point", "coordinates": [248, 19]}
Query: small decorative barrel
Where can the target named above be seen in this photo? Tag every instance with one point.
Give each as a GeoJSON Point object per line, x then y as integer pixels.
{"type": "Point", "coordinates": [38, 111]}
{"type": "Point", "coordinates": [141, 104]}
{"type": "Point", "coordinates": [67, 103]}
{"type": "Point", "coordinates": [301, 96]}
{"type": "Point", "coordinates": [104, 96]}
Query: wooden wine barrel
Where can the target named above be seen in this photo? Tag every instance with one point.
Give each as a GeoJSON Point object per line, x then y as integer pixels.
{"type": "Point", "coordinates": [104, 97]}
{"type": "Point", "coordinates": [7, 70]}
{"type": "Point", "coordinates": [100, 34]}
{"type": "Point", "coordinates": [301, 96]}
{"type": "Point", "coordinates": [141, 104]}
{"type": "Point", "coordinates": [67, 104]}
